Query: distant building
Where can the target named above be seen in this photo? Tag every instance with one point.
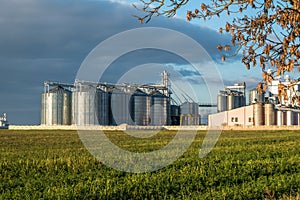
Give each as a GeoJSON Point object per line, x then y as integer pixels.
{"type": "Point", "coordinates": [3, 122]}
{"type": "Point", "coordinates": [256, 115]}
{"type": "Point", "coordinates": [189, 114]}
{"type": "Point", "coordinates": [232, 97]}
{"type": "Point", "coordinates": [242, 116]}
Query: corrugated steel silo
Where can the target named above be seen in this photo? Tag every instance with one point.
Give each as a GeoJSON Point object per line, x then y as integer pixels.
{"type": "Point", "coordinates": [43, 109]}
{"type": "Point", "coordinates": [289, 118]}
{"type": "Point", "coordinates": [85, 105]}
{"type": "Point", "coordinates": [67, 108]}
{"type": "Point", "coordinates": [230, 102]}
{"type": "Point", "coordinates": [189, 108]}
{"type": "Point", "coordinates": [102, 107]}
{"type": "Point", "coordinates": [255, 96]}
{"type": "Point", "coordinates": [222, 102]}
{"type": "Point", "coordinates": [56, 107]}
{"type": "Point", "coordinates": [175, 115]}
{"type": "Point", "coordinates": [258, 113]}
{"type": "Point", "coordinates": [237, 101]}
{"type": "Point", "coordinates": [160, 109]}
{"type": "Point", "coordinates": [141, 108]}
{"type": "Point", "coordinates": [242, 100]}
{"type": "Point", "coordinates": [189, 119]}
{"type": "Point", "coordinates": [269, 115]}
{"type": "Point", "coordinates": [120, 107]}
{"type": "Point", "coordinates": [189, 114]}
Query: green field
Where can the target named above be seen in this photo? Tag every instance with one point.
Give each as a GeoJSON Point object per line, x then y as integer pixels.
{"type": "Point", "coordinates": [243, 165]}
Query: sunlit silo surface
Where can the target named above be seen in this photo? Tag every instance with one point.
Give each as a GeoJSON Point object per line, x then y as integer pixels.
{"type": "Point", "coordinates": [90, 105]}
{"type": "Point", "coordinates": [258, 112]}
{"type": "Point", "coordinates": [56, 106]}
{"type": "Point", "coordinates": [230, 102]}
{"type": "Point", "coordinates": [269, 115]}
{"type": "Point", "coordinates": [84, 112]}
{"type": "Point", "coordinates": [160, 109]}
{"type": "Point", "coordinates": [222, 102]}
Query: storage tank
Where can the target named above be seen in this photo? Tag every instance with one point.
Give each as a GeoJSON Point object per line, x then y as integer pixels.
{"type": "Point", "coordinates": [141, 108]}
{"type": "Point", "coordinates": [255, 96]}
{"type": "Point", "coordinates": [90, 106]}
{"type": "Point", "coordinates": [43, 109]}
{"type": "Point", "coordinates": [56, 106]}
{"type": "Point", "coordinates": [284, 118]}
{"type": "Point", "coordinates": [297, 118]}
{"type": "Point", "coordinates": [258, 113]}
{"type": "Point", "coordinates": [85, 105]}
{"type": "Point", "coordinates": [103, 107]}
{"type": "Point", "coordinates": [230, 102]}
{"type": "Point", "coordinates": [242, 100]}
{"type": "Point", "coordinates": [67, 108]}
{"type": "Point", "coordinates": [175, 115]}
{"type": "Point", "coordinates": [121, 107]}
{"type": "Point", "coordinates": [189, 108]}
{"type": "Point", "coordinates": [289, 118]}
{"type": "Point", "coordinates": [189, 119]}
{"type": "Point", "coordinates": [160, 109]}
{"type": "Point", "coordinates": [189, 114]}
{"type": "Point", "coordinates": [269, 115]}
{"type": "Point", "coordinates": [237, 101]}
{"type": "Point", "coordinates": [222, 103]}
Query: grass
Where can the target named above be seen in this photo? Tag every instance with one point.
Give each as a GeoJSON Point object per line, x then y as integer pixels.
{"type": "Point", "coordinates": [243, 165]}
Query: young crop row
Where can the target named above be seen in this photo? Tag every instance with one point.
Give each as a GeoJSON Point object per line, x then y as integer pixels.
{"type": "Point", "coordinates": [243, 165]}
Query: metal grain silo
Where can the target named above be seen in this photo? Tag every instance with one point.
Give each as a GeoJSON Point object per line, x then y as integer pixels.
{"type": "Point", "coordinates": [185, 108]}
{"type": "Point", "coordinates": [160, 109]}
{"type": "Point", "coordinates": [269, 115]}
{"type": "Point", "coordinates": [67, 108]}
{"type": "Point", "coordinates": [85, 105]}
{"type": "Point", "coordinates": [43, 109]}
{"type": "Point", "coordinates": [120, 107]}
{"type": "Point", "coordinates": [189, 114]}
{"type": "Point", "coordinates": [258, 113]}
{"type": "Point", "coordinates": [237, 101]}
{"type": "Point", "coordinates": [141, 108]}
{"type": "Point", "coordinates": [56, 106]}
{"type": "Point", "coordinates": [230, 102]}
{"type": "Point", "coordinates": [189, 108]}
{"type": "Point", "coordinates": [175, 115]}
{"type": "Point", "coordinates": [242, 100]}
{"type": "Point", "coordinates": [255, 96]}
{"type": "Point", "coordinates": [222, 102]}
{"type": "Point", "coordinates": [102, 107]}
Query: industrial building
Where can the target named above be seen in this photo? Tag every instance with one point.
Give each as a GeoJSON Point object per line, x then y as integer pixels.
{"type": "Point", "coordinates": [232, 97]}
{"type": "Point", "coordinates": [87, 103]}
{"type": "Point", "coordinates": [279, 106]}
{"type": "Point", "coordinates": [189, 114]}
{"type": "Point", "coordinates": [3, 122]}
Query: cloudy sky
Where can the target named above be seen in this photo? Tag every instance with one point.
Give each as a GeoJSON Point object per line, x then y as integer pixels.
{"type": "Point", "coordinates": [44, 40]}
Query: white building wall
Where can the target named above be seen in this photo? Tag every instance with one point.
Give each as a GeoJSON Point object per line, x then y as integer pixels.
{"type": "Point", "coordinates": [218, 119]}
{"type": "Point", "coordinates": [237, 117]}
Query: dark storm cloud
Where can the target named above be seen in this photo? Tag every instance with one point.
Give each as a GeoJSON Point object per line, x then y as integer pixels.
{"type": "Point", "coordinates": [48, 39]}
